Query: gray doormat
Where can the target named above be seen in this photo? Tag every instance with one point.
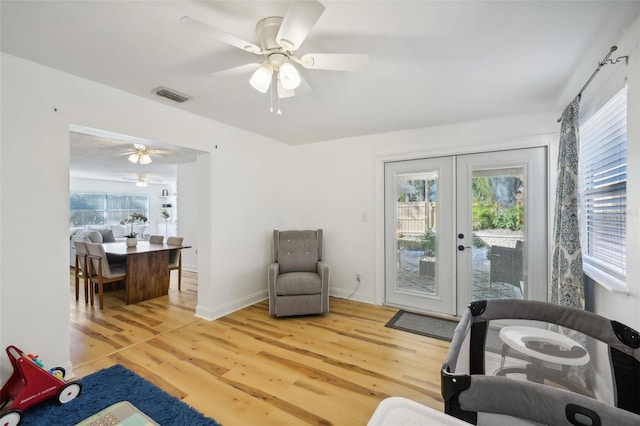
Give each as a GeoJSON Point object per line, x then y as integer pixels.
{"type": "Point", "coordinates": [437, 328]}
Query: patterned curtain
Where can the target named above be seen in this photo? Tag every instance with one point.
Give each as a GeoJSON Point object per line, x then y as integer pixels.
{"type": "Point", "coordinates": [567, 286]}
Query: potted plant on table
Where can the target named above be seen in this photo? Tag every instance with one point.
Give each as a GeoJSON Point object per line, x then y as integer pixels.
{"type": "Point", "coordinates": [135, 218]}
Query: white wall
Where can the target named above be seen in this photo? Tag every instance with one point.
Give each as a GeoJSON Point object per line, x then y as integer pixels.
{"type": "Point", "coordinates": [187, 202]}
{"type": "Point", "coordinates": [246, 204]}
{"type": "Point", "coordinates": [38, 106]}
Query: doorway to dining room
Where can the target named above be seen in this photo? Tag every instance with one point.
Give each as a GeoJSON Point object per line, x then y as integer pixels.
{"type": "Point", "coordinates": [98, 166]}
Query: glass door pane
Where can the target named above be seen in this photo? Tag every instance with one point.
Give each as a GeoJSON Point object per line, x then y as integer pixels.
{"type": "Point", "coordinates": [498, 237]}
{"type": "Point", "coordinates": [416, 231]}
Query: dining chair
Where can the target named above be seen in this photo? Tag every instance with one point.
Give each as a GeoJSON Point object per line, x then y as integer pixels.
{"type": "Point", "coordinates": [156, 239]}
{"type": "Point", "coordinates": [102, 272]}
{"type": "Point", "coordinates": [175, 258]}
{"type": "Point", "coordinates": [81, 269]}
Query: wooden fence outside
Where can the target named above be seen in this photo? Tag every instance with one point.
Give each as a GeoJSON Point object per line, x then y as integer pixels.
{"type": "Point", "coordinates": [415, 217]}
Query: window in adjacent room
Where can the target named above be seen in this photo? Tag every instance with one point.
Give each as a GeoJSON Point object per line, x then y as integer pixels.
{"type": "Point", "coordinates": [105, 209]}
{"type": "Point", "coordinates": [603, 192]}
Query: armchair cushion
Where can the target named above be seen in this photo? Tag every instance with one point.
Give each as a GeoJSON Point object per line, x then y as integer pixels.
{"type": "Point", "coordinates": [297, 251]}
{"type": "Point", "coordinates": [293, 283]}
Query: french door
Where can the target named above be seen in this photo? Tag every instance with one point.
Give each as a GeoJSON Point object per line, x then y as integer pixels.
{"type": "Point", "coordinates": [464, 228]}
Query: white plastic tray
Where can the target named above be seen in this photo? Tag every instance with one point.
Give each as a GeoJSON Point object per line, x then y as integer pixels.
{"type": "Point", "coordinates": [397, 411]}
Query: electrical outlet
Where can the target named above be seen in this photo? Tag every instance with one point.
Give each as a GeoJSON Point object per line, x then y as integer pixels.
{"type": "Point", "coordinates": [357, 277]}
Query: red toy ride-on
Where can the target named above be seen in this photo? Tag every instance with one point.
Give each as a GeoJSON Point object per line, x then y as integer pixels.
{"type": "Point", "coordinates": [31, 384]}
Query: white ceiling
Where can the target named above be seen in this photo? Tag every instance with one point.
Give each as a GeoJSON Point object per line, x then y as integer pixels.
{"type": "Point", "coordinates": [96, 154]}
{"type": "Point", "coordinates": [431, 62]}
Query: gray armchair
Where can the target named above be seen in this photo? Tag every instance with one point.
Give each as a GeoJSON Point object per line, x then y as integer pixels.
{"type": "Point", "coordinates": [298, 278]}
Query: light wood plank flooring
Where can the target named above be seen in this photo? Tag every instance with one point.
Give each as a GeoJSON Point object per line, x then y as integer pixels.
{"type": "Point", "coordinates": [248, 368]}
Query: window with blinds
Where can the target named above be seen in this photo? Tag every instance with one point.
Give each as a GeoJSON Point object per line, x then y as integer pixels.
{"type": "Point", "coordinates": [104, 209]}
{"type": "Point", "coordinates": [603, 192]}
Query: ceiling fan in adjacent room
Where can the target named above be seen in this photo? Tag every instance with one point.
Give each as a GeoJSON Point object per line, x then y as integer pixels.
{"type": "Point", "coordinates": [142, 154]}
{"type": "Point", "coordinates": [278, 39]}
{"type": "Point", "coordinates": [142, 180]}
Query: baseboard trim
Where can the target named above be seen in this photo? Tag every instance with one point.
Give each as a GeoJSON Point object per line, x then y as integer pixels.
{"type": "Point", "coordinates": [210, 314]}
{"type": "Point", "coordinates": [349, 295]}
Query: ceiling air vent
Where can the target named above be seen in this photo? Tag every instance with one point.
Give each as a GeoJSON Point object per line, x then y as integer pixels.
{"type": "Point", "coordinates": [165, 92]}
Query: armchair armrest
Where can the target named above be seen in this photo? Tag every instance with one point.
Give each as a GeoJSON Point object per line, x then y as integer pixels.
{"type": "Point", "coordinates": [323, 270]}
{"type": "Point", "coordinates": [272, 274]}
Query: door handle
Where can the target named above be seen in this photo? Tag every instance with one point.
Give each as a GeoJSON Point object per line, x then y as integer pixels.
{"type": "Point", "coordinates": [461, 247]}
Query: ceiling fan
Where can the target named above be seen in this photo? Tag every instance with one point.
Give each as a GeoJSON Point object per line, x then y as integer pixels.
{"type": "Point", "coordinates": [278, 40]}
{"type": "Point", "coordinates": [142, 154]}
{"type": "Point", "coordinates": [142, 180]}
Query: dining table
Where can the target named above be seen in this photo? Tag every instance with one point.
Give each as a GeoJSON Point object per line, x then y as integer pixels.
{"type": "Point", "coordinates": [147, 268]}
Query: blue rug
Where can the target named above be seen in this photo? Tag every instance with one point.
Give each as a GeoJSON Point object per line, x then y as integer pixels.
{"type": "Point", "coordinates": [111, 385]}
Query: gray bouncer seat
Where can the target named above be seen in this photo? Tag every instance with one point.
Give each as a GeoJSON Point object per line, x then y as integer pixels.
{"type": "Point", "coordinates": [517, 362]}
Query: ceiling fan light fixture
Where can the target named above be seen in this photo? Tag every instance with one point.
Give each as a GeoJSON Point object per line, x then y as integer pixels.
{"type": "Point", "coordinates": [145, 159]}
{"type": "Point", "coordinates": [141, 181]}
{"type": "Point", "coordinates": [284, 93]}
{"type": "Point", "coordinates": [261, 79]}
{"type": "Point", "coordinates": [289, 76]}
{"type": "Point", "coordinates": [133, 158]}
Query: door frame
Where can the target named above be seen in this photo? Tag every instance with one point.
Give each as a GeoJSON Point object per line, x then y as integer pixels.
{"type": "Point", "coordinates": [548, 140]}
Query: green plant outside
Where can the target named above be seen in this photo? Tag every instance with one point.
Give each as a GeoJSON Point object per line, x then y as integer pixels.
{"type": "Point", "coordinates": [428, 242]}
{"type": "Point", "coordinates": [494, 217]}
{"type": "Point", "coordinates": [511, 218]}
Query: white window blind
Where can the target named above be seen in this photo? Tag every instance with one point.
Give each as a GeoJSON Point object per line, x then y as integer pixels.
{"type": "Point", "coordinates": [603, 192]}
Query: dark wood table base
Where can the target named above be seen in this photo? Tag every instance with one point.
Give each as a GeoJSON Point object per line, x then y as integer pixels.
{"type": "Point", "coordinates": [147, 275]}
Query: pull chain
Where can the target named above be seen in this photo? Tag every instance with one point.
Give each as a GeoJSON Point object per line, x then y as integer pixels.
{"type": "Point", "coordinates": [271, 97]}
{"type": "Point", "coordinates": [279, 110]}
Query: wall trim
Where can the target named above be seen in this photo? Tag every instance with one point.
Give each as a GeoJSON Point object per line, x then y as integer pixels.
{"type": "Point", "coordinates": [211, 314]}
{"type": "Point", "coordinates": [344, 294]}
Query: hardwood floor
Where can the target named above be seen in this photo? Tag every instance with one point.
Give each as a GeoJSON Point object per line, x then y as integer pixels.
{"type": "Point", "coordinates": [248, 368]}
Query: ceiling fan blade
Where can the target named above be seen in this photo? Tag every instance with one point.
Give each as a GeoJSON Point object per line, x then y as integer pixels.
{"type": "Point", "coordinates": [334, 61]}
{"type": "Point", "coordinates": [240, 70]}
{"type": "Point", "coordinates": [220, 35]}
{"type": "Point", "coordinates": [297, 23]}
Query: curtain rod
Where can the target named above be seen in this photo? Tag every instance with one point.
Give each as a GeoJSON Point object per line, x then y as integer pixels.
{"type": "Point", "coordinates": [601, 64]}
